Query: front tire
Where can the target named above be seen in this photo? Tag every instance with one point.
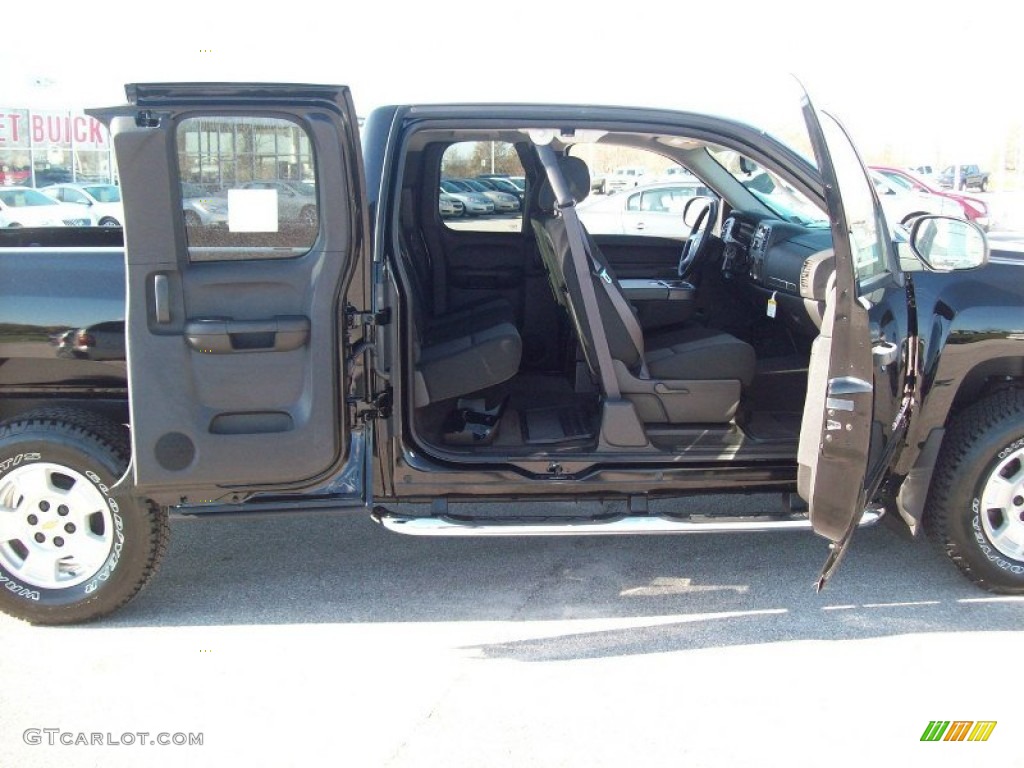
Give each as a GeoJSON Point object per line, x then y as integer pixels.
{"type": "Point", "coordinates": [975, 509]}
{"type": "Point", "coordinates": [70, 551]}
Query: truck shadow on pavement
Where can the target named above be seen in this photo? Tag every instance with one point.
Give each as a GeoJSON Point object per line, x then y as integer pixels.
{"type": "Point", "coordinates": [585, 597]}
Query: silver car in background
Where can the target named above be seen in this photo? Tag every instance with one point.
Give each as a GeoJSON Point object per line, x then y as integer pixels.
{"type": "Point", "coordinates": [449, 206]}
{"type": "Point", "coordinates": [296, 200]}
{"type": "Point", "coordinates": [201, 208]}
{"type": "Point", "coordinates": [652, 209]}
{"type": "Point", "coordinates": [474, 203]}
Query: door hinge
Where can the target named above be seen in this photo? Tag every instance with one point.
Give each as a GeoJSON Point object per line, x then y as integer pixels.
{"type": "Point", "coordinates": [377, 407]}
{"type": "Point", "coordinates": [356, 317]}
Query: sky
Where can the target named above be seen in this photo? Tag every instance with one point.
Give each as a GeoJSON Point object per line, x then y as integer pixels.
{"type": "Point", "coordinates": [931, 80]}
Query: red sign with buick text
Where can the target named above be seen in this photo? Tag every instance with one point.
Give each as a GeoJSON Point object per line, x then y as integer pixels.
{"type": "Point", "coordinates": [23, 128]}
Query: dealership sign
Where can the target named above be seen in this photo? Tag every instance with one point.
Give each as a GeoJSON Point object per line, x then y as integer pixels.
{"type": "Point", "coordinates": [26, 129]}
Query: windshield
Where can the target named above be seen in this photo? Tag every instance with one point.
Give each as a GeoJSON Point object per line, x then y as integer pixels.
{"type": "Point", "coordinates": [304, 188]}
{"type": "Point", "coordinates": [23, 198]}
{"type": "Point", "coordinates": [777, 194]}
{"type": "Point", "coordinates": [105, 193]}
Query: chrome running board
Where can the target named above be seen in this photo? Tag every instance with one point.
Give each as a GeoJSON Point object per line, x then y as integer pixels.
{"type": "Point", "coordinates": [447, 526]}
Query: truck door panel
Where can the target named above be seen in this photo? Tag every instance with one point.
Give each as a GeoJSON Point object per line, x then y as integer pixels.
{"type": "Point", "coordinates": [234, 300]}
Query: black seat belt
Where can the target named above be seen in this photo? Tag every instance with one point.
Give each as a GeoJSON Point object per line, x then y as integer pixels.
{"type": "Point", "coordinates": [580, 262]}
{"type": "Point", "coordinates": [621, 306]}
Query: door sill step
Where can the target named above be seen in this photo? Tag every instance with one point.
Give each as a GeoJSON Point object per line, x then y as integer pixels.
{"type": "Point", "coordinates": [447, 526]}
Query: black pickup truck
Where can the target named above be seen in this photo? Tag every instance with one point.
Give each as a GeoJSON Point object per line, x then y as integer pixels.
{"type": "Point", "coordinates": [366, 353]}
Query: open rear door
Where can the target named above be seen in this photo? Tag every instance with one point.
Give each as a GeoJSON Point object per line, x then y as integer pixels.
{"type": "Point", "coordinates": [843, 449]}
{"type": "Point", "coordinates": [245, 221]}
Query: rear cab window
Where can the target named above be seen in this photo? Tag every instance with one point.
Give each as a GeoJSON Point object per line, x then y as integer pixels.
{"type": "Point", "coordinates": [248, 188]}
{"type": "Point", "coordinates": [483, 187]}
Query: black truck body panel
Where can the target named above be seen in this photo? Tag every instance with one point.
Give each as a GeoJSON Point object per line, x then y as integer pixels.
{"type": "Point", "coordinates": [970, 324]}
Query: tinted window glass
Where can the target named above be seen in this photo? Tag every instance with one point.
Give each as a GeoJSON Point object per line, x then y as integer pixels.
{"type": "Point", "coordinates": [490, 203]}
{"type": "Point", "coordinates": [248, 188]}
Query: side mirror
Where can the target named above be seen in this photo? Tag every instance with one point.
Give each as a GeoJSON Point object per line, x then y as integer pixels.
{"type": "Point", "coordinates": [946, 244]}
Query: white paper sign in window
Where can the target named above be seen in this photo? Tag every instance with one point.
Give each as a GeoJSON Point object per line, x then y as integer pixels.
{"type": "Point", "coordinates": [252, 210]}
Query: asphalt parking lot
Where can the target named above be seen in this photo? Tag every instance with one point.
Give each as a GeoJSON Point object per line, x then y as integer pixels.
{"type": "Point", "coordinates": [324, 639]}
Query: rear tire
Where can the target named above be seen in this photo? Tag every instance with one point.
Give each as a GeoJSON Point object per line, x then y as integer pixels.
{"type": "Point", "coordinates": [975, 508]}
{"type": "Point", "coordinates": [70, 551]}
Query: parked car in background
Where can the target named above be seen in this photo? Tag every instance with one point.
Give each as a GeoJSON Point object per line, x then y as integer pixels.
{"type": "Point", "coordinates": [652, 209]}
{"type": "Point", "coordinates": [44, 177]}
{"type": "Point", "coordinates": [449, 206]}
{"type": "Point", "coordinates": [901, 205]}
{"type": "Point", "coordinates": [296, 200]}
{"type": "Point", "coordinates": [973, 209]}
{"type": "Point", "coordinates": [101, 201]}
{"type": "Point", "coordinates": [673, 173]}
{"type": "Point", "coordinates": [928, 173]}
{"type": "Point", "coordinates": [202, 208]}
{"type": "Point", "coordinates": [504, 184]}
{"type": "Point", "coordinates": [970, 176]}
{"type": "Point", "coordinates": [503, 201]}
{"type": "Point", "coordinates": [473, 203]}
{"type": "Point", "coordinates": [27, 207]}
{"type": "Point", "coordinates": [623, 178]}
{"type": "Point", "coordinates": [14, 177]}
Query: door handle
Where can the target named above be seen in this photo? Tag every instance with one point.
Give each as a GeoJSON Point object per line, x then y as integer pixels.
{"type": "Point", "coordinates": [639, 225]}
{"type": "Point", "coordinates": [223, 336]}
{"type": "Point", "coordinates": [161, 299]}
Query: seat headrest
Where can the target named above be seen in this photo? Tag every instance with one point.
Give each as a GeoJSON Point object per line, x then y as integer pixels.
{"type": "Point", "coordinates": [577, 176]}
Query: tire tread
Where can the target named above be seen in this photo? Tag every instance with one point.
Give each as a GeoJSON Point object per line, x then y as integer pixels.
{"type": "Point", "coordinates": [968, 431]}
{"type": "Point", "coordinates": [114, 438]}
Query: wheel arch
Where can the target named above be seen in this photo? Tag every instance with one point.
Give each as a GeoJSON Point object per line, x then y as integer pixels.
{"type": "Point", "coordinates": [113, 409]}
{"type": "Point", "coordinates": [986, 379]}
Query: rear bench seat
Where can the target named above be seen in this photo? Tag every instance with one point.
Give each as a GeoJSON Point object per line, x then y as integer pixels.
{"type": "Point", "coordinates": [463, 350]}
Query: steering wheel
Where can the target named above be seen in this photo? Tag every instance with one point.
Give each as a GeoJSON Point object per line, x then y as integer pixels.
{"type": "Point", "coordinates": [698, 243]}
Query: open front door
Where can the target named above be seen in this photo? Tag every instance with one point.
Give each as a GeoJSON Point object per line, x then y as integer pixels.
{"type": "Point", "coordinates": [245, 220]}
{"type": "Point", "coordinates": [857, 406]}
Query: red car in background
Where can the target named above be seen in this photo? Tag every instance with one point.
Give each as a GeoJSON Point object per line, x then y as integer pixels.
{"type": "Point", "coordinates": [974, 209]}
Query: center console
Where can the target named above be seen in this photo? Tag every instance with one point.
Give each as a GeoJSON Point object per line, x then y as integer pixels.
{"type": "Point", "coordinates": [660, 303]}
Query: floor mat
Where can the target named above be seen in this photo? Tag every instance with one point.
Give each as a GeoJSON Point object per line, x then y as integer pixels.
{"type": "Point", "coordinates": [774, 425]}
{"type": "Point", "coordinates": [562, 424]}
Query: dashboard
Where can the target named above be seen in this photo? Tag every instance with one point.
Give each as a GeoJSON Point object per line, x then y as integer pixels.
{"type": "Point", "coordinates": [771, 258]}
